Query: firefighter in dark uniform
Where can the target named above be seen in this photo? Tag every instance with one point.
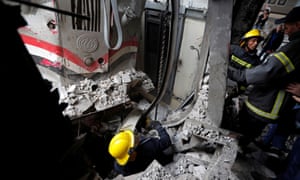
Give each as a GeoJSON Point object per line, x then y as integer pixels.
{"type": "Point", "coordinates": [244, 55]}
{"type": "Point", "coordinates": [134, 151]}
{"type": "Point", "coordinates": [268, 102]}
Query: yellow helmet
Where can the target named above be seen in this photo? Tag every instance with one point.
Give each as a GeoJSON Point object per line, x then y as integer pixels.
{"type": "Point", "coordinates": [120, 146]}
{"type": "Point", "coordinates": [250, 34]}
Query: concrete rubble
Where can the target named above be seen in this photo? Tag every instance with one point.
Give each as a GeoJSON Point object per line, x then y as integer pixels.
{"type": "Point", "coordinates": [101, 94]}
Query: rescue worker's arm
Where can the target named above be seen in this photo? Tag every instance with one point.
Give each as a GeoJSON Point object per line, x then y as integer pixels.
{"type": "Point", "coordinates": [164, 138]}
{"type": "Point", "coordinates": [265, 72]}
{"type": "Point", "coordinates": [261, 74]}
{"type": "Point", "coordinates": [237, 75]}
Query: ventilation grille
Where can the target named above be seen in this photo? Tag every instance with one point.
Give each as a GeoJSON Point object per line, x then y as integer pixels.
{"type": "Point", "coordinates": [90, 8]}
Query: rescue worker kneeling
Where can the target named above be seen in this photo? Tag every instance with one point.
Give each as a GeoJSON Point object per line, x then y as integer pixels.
{"type": "Point", "coordinates": [134, 151]}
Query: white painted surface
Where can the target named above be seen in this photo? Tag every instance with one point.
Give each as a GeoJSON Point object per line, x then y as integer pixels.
{"type": "Point", "coordinates": [188, 58]}
{"type": "Point", "coordinates": [195, 4]}
{"type": "Point", "coordinates": [187, 67]}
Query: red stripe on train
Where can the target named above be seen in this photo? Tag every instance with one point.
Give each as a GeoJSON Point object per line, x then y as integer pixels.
{"type": "Point", "coordinates": [63, 52]}
{"type": "Point", "coordinates": [58, 50]}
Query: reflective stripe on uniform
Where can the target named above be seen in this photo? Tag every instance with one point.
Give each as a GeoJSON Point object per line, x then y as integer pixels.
{"type": "Point", "coordinates": [287, 63]}
{"type": "Point", "coordinates": [240, 61]}
{"type": "Point", "coordinates": [275, 110]}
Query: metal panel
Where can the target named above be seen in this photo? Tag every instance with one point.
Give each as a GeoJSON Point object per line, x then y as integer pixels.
{"type": "Point", "coordinates": [186, 68]}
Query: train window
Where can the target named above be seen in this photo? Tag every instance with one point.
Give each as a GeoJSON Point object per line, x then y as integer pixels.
{"type": "Point", "coordinates": [272, 1]}
{"type": "Point", "coordinates": [278, 2]}
{"type": "Point", "coordinates": [281, 2]}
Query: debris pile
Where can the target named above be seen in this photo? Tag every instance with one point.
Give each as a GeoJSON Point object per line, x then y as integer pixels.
{"type": "Point", "coordinates": [202, 151]}
{"type": "Point", "coordinates": [101, 94]}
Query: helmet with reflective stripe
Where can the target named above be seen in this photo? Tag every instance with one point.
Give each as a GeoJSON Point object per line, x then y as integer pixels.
{"type": "Point", "coordinates": [120, 146]}
{"type": "Point", "coordinates": [251, 34]}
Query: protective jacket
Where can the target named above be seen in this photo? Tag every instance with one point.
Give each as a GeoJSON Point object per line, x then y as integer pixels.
{"type": "Point", "coordinates": [241, 59]}
{"type": "Point", "coordinates": [268, 99]}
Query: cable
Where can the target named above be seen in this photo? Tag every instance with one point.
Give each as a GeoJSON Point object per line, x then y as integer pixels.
{"type": "Point", "coordinates": [107, 27]}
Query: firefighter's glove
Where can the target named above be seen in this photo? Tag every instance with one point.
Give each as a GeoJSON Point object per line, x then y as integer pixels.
{"type": "Point", "coordinates": [150, 124]}
{"type": "Point", "coordinates": [237, 75]}
{"type": "Point", "coordinates": [147, 123]}
{"type": "Point", "coordinates": [155, 125]}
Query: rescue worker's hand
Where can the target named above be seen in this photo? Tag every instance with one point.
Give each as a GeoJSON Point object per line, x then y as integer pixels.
{"type": "Point", "coordinates": [237, 75]}
{"type": "Point", "coordinates": [296, 98]}
{"type": "Point", "coordinates": [231, 72]}
{"type": "Point", "coordinates": [294, 88]}
{"type": "Point", "coordinates": [155, 124]}
{"type": "Point", "coordinates": [152, 124]}
{"type": "Point", "coordinates": [148, 123]}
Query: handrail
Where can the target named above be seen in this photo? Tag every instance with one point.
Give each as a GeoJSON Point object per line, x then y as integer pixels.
{"type": "Point", "coordinates": [115, 12]}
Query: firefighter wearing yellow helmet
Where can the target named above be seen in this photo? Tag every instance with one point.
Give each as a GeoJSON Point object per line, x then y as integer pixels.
{"type": "Point", "coordinates": [245, 55]}
{"type": "Point", "coordinates": [120, 145]}
{"type": "Point", "coordinates": [242, 56]}
{"type": "Point", "coordinates": [134, 151]}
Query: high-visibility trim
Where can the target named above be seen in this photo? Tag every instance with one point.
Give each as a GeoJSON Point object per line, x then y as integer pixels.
{"type": "Point", "coordinates": [287, 63]}
{"type": "Point", "coordinates": [273, 115]}
{"type": "Point", "coordinates": [243, 88]}
{"type": "Point", "coordinates": [240, 61]}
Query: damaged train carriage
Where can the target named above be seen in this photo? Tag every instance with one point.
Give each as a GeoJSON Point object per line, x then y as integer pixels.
{"type": "Point", "coordinates": [168, 59]}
